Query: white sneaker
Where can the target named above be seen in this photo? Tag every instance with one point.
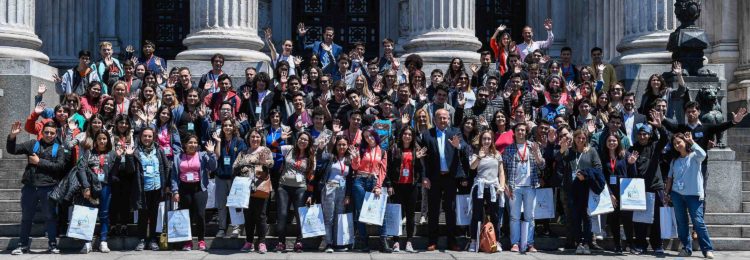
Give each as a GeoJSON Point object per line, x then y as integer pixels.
{"type": "Point", "coordinates": [103, 247]}
{"type": "Point", "coordinates": [396, 247]}
{"type": "Point", "coordinates": [19, 250]}
{"type": "Point", "coordinates": [410, 248]}
{"type": "Point", "coordinates": [422, 220]}
{"type": "Point", "coordinates": [579, 249]}
{"type": "Point", "coordinates": [220, 234]}
{"type": "Point", "coordinates": [586, 250]}
{"type": "Point", "coordinates": [473, 246]}
{"type": "Point", "coordinates": [86, 248]}
{"type": "Point", "coordinates": [499, 246]}
{"type": "Point", "coordinates": [710, 255]}
{"type": "Point", "coordinates": [235, 231]}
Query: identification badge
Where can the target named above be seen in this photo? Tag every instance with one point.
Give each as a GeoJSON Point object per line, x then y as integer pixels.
{"type": "Point", "coordinates": [191, 126]}
{"type": "Point", "coordinates": [573, 175]}
{"type": "Point", "coordinates": [522, 169]}
{"type": "Point", "coordinates": [167, 150]}
{"type": "Point", "coordinates": [100, 177]}
{"type": "Point", "coordinates": [699, 135]}
{"type": "Point", "coordinates": [122, 159]}
{"type": "Point", "coordinates": [405, 173]}
{"type": "Point", "coordinates": [680, 185]}
{"type": "Point", "coordinates": [190, 176]}
{"type": "Point", "coordinates": [149, 168]}
{"type": "Point", "coordinates": [612, 180]}
{"type": "Point", "coordinates": [226, 161]}
{"type": "Point", "coordinates": [257, 110]}
{"type": "Point", "coordinates": [299, 177]}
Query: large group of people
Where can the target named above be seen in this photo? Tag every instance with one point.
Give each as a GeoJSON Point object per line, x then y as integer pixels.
{"type": "Point", "coordinates": [326, 127]}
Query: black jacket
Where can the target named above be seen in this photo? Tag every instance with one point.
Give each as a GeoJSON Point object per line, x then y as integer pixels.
{"type": "Point", "coordinates": [133, 165]}
{"type": "Point", "coordinates": [452, 155]}
{"type": "Point", "coordinates": [649, 156]}
{"type": "Point", "coordinates": [394, 167]}
{"type": "Point", "coordinates": [50, 168]}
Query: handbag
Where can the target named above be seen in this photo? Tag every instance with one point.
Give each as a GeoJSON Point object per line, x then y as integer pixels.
{"type": "Point", "coordinates": [262, 187]}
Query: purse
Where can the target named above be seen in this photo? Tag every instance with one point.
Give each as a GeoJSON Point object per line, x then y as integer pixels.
{"type": "Point", "coordinates": [261, 188]}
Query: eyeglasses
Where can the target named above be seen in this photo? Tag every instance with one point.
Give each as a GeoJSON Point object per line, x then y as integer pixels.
{"type": "Point", "coordinates": [49, 132]}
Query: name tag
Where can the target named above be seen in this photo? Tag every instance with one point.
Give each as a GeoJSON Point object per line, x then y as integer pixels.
{"type": "Point", "coordinates": [122, 159]}
{"type": "Point", "coordinates": [680, 185]}
{"type": "Point", "coordinates": [226, 161]}
{"type": "Point", "coordinates": [522, 169]}
{"type": "Point", "coordinates": [405, 173]}
{"type": "Point", "coordinates": [191, 127]}
{"type": "Point", "coordinates": [573, 175]}
{"type": "Point", "coordinates": [100, 176]}
{"type": "Point", "coordinates": [258, 109]}
{"type": "Point", "coordinates": [299, 177]}
{"type": "Point", "coordinates": [149, 168]}
{"type": "Point", "coordinates": [699, 135]}
{"type": "Point", "coordinates": [612, 180]}
{"type": "Point", "coordinates": [190, 176]}
{"type": "Point", "coordinates": [167, 150]}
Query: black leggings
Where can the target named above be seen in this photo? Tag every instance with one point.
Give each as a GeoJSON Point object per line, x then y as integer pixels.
{"type": "Point", "coordinates": [406, 195]}
{"type": "Point", "coordinates": [478, 211]}
{"type": "Point", "coordinates": [193, 198]}
{"type": "Point", "coordinates": [285, 194]}
{"type": "Point", "coordinates": [120, 214]}
{"type": "Point", "coordinates": [255, 218]}
{"type": "Point", "coordinates": [147, 214]}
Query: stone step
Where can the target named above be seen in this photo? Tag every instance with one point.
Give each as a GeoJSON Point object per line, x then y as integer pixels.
{"type": "Point", "coordinates": [746, 185]}
{"type": "Point", "coordinates": [69, 245]}
{"type": "Point", "coordinates": [746, 196]}
{"type": "Point", "coordinates": [728, 230]}
{"type": "Point", "coordinates": [746, 207]}
{"type": "Point", "coordinates": [10, 205]}
{"type": "Point", "coordinates": [10, 183]}
{"type": "Point", "coordinates": [10, 194]}
{"type": "Point", "coordinates": [11, 173]}
{"type": "Point", "coordinates": [746, 173]}
{"type": "Point", "coordinates": [727, 218]}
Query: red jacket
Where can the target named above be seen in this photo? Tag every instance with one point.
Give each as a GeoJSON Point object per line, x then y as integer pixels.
{"type": "Point", "coordinates": [214, 102]}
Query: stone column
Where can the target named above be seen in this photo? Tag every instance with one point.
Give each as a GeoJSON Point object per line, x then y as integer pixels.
{"type": "Point", "coordinates": [226, 27]}
{"type": "Point", "coordinates": [107, 26]}
{"type": "Point", "coordinates": [739, 92]}
{"type": "Point", "coordinates": [557, 11]}
{"type": "Point", "coordinates": [594, 26]}
{"type": "Point", "coordinates": [17, 37]}
{"type": "Point", "coordinates": [65, 31]}
{"type": "Point", "coordinates": [441, 30]}
{"type": "Point", "coordinates": [648, 24]}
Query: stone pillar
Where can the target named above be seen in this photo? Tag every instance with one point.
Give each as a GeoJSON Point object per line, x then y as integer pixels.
{"type": "Point", "coordinates": [648, 24]}
{"type": "Point", "coordinates": [739, 95]}
{"type": "Point", "coordinates": [441, 30]}
{"type": "Point", "coordinates": [65, 32]}
{"type": "Point", "coordinates": [557, 11]}
{"type": "Point", "coordinates": [107, 27]}
{"type": "Point", "coordinates": [17, 37]}
{"type": "Point", "coordinates": [594, 27]}
{"type": "Point", "coordinates": [226, 27]}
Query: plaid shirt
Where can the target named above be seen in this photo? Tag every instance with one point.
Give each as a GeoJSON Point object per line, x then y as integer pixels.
{"type": "Point", "coordinates": [511, 160]}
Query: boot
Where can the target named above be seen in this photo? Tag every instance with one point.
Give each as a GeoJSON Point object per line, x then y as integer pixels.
{"type": "Point", "coordinates": [384, 247]}
{"type": "Point", "coordinates": [362, 245]}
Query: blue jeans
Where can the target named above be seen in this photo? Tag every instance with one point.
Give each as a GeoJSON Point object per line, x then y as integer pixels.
{"type": "Point", "coordinates": [522, 197]}
{"type": "Point", "coordinates": [361, 186]}
{"type": "Point", "coordinates": [692, 205]}
{"type": "Point", "coordinates": [104, 200]}
{"type": "Point", "coordinates": [31, 197]}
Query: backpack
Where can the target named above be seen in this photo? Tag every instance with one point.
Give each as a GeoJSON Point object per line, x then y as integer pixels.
{"type": "Point", "coordinates": [487, 239]}
{"type": "Point", "coordinates": [55, 146]}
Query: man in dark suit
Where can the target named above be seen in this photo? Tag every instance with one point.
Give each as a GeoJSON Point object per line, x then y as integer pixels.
{"type": "Point", "coordinates": [630, 117]}
{"type": "Point", "coordinates": [444, 145]}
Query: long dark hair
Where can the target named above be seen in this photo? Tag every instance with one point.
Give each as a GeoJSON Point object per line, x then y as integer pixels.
{"type": "Point", "coordinates": [108, 147]}
{"type": "Point", "coordinates": [118, 119]}
{"type": "Point", "coordinates": [400, 140]}
{"type": "Point", "coordinates": [309, 151]}
{"type": "Point", "coordinates": [619, 150]}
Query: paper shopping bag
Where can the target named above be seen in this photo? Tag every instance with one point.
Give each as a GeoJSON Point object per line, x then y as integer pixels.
{"type": "Point", "coordinates": [239, 193]}
{"type": "Point", "coordinates": [178, 226]}
{"type": "Point", "coordinates": [632, 194]}
{"type": "Point", "coordinates": [236, 216]}
{"type": "Point", "coordinates": [392, 219]}
{"type": "Point", "coordinates": [211, 192]}
{"type": "Point", "coordinates": [82, 222]}
{"type": "Point", "coordinates": [312, 221]}
{"type": "Point", "coordinates": [345, 229]}
{"type": "Point", "coordinates": [667, 222]}
{"type": "Point", "coordinates": [373, 209]}
{"type": "Point", "coordinates": [646, 216]}
{"type": "Point", "coordinates": [545, 204]}
{"type": "Point", "coordinates": [463, 210]}
{"type": "Point", "coordinates": [600, 203]}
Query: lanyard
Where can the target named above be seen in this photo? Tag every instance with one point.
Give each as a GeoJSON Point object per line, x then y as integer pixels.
{"type": "Point", "coordinates": [101, 164]}
{"type": "Point", "coordinates": [356, 136]}
{"type": "Point", "coordinates": [298, 163]}
{"type": "Point", "coordinates": [227, 148]}
{"type": "Point", "coordinates": [522, 155]}
{"type": "Point", "coordinates": [612, 163]}
{"type": "Point", "coordinates": [342, 165]}
{"type": "Point", "coordinates": [130, 82]}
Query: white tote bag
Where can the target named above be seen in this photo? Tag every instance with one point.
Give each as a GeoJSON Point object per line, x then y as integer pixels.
{"type": "Point", "coordinates": [344, 229]}
{"type": "Point", "coordinates": [211, 192]}
{"type": "Point", "coordinates": [545, 204]}
{"type": "Point", "coordinates": [373, 209]}
{"type": "Point", "coordinates": [82, 222]}
{"type": "Point", "coordinates": [596, 224]}
{"type": "Point", "coordinates": [463, 209]}
{"type": "Point", "coordinates": [632, 194]}
{"type": "Point", "coordinates": [600, 203]}
{"type": "Point", "coordinates": [178, 226]}
{"type": "Point", "coordinates": [160, 217]}
{"type": "Point", "coordinates": [646, 216]}
{"type": "Point", "coordinates": [667, 222]}
{"type": "Point", "coordinates": [392, 219]}
{"type": "Point", "coordinates": [236, 216]}
{"type": "Point", "coordinates": [239, 193]}
{"type": "Point", "coordinates": [313, 224]}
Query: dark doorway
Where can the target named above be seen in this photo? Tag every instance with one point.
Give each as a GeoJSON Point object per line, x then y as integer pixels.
{"type": "Point", "coordinates": [491, 13]}
{"type": "Point", "coordinates": [353, 21]}
{"type": "Point", "coordinates": [166, 23]}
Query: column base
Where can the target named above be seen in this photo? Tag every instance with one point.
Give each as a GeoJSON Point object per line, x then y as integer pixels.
{"type": "Point", "coordinates": [723, 192]}
{"type": "Point", "coordinates": [441, 47]}
{"type": "Point", "coordinates": [235, 69]}
{"type": "Point", "coordinates": [650, 48]}
{"type": "Point", "coordinates": [7, 52]}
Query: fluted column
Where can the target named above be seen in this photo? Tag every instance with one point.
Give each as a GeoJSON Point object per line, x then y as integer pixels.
{"type": "Point", "coordinates": [17, 37]}
{"type": "Point", "coordinates": [596, 25]}
{"type": "Point", "coordinates": [229, 27]}
{"type": "Point", "coordinates": [66, 31]}
{"type": "Point", "coordinates": [442, 29]}
{"type": "Point", "coordinates": [742, 74]}
{"type": "Point", "coordinates": [648, 24]}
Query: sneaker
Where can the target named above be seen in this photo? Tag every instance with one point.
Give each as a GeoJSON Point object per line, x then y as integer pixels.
{"type": "Point", "coordinates": [52, 249]}
{"type": "Point", "coordinates": [141, 245]}
{"type": "Point", "coordinates": [262, 248]}
{"type": "Point", "coordinates": [710, 255]}
{"type": "Point", "coordinates": [187, 246]}
{"type": "Point", "coordinates": [202, 245]}
{"type": "Point", "coordinates": [20, 250]}
{"type": "Point", "coordinates": [596, 246]}
{"type": "Point", "coordinates": [86, 248]}
{"type": "Point", "coordinates": [410, 248]}
{"type": "Point", "coordinates": [659, 252]}
{"type": "Point", "coordinates": [235, 231]}
{"type": "Point", "coordinates": [221, 234]}
{"type": "Point", "coordinates": [636, 251]}
{"type": "Point", "coordinates": [280, 247]}
{"type": "Point", "coordinates": [323, 245]}
{"type": "Point", "coordinates": [124, 230]}
{"type": "Point", "coordinates": [248, 247]}
{"type": "Point", "coordinates": [472, 246]}
{"type": "Point", "coordinates": [298, 247]}
{"type": "Point", "coordinates": [514, 248]}
{"type": "Point", "coordinates": [499, 246]}
{"type": "Point", "coordinates": [579, 249]}
{"type": "Point", "coordinates": [154, 246]}
{"type": "Point", "coordinates": [104, 247]}
{"type": "Point", "coordinates": [618, 250]}
{"type": "Point", "coordinates": [422, 220]}
{"type": "Point", "coordinates": [329, 250]}
{"type": "Point", "coordinates": [396, 247]}
{"type": "Point", "coordinates": [531, 249]}
{"type": "Point", "coordinates": [685, 253]}
{"type": "Point", "coordinates": [586, 250]}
